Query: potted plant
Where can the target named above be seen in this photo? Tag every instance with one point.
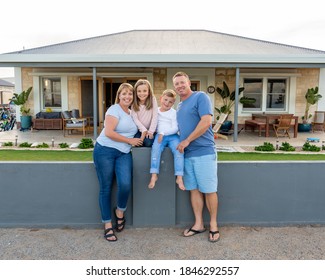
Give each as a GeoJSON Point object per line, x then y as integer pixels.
{"type": "Point", "coordinates": [312, 96]}
{"type": "Point", "coordinates": [21, 100]}
{"type": "Point", "coordinates": [228, 100]}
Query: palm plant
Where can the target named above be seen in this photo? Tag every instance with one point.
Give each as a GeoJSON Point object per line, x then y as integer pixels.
{"type": "Point", "coordinates": [21, 99]}
{"type": "Point", "coordinates": [312, 96]}
{"type": "Point", "coordinates": [228, 98]}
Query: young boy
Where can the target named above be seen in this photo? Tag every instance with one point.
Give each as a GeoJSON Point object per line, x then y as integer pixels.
{"type": "Point", "coordinates": [167, 136]}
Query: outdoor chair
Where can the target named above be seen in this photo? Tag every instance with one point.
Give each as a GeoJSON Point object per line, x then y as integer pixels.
{"type": "Point", "coordinates": [283, 126]}
{"type": "Point", "coordinates": [218, 125]}
{"type": "Point", "coordinates": [72, 121]}
{"type": "Point", "coordinates": [319, 121]}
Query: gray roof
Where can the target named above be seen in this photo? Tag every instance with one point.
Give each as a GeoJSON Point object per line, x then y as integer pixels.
{"type": "Point", "coordinates": [166, 48]}
{"type": "Point", "coordinates": [170, 42]}
{"type": "Point", "coordinates": [5, 83]}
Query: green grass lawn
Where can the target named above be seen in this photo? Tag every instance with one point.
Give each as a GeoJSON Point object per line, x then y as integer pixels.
{"type": "Point", "coordinates": [66, 155]}
{"type": "Point", "coordinates": [39, 155]}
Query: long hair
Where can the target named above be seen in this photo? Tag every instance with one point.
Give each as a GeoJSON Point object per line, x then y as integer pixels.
{"type": "Point", "coordinates": [149, 100]}
{"type": "Point", "coordinates": [121, 87]}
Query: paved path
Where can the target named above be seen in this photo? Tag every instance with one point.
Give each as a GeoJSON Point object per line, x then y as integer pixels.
{"type": "Point", "coordinates": [237, 243]}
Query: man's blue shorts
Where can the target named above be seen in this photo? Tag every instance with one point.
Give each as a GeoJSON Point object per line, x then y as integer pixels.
{"type": "Point", "coordinates": [201, 173]}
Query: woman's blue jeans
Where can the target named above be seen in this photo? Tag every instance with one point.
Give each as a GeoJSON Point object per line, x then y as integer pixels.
{"type": "Point", "coordinates": [172, 142]}
{"type": "Point", "coordinates": [111, 163]}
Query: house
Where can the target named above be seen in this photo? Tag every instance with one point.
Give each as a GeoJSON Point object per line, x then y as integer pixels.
{"type": "Point", "coordinates": [6, 92]}
{"type": "Point", "coordinates": [63, 75]}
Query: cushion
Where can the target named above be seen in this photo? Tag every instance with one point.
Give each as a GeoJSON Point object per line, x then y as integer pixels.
{"type": "Point", "coordinates": [75, 113]}
{"type": "Point", "coordinates": [66, 115]}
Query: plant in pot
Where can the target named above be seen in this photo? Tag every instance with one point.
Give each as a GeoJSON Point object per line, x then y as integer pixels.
{"type": "Point", "coordinates": [21, 100]}
{"type": "Point", "coordinates": [228, 101]}
{"type": "Point", "coordinates": [312, 96]}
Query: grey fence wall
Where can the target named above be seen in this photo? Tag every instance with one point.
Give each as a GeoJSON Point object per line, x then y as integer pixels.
{"type": "Point", "coordinates": [56, 194]}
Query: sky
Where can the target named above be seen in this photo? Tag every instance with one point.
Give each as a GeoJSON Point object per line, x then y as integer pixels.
{"type": "Point", "coordinates": [29, 24]}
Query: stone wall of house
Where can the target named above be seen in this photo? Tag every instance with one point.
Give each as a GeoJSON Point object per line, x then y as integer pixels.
{"type": "Point", "coordinates": [27, 82]}
{"type": "Point", "coordinates": [159, 81]}
{"type": "Point", "coordinates": [74, 93]}
{"type": "Point", "coordinates": [309, 78]}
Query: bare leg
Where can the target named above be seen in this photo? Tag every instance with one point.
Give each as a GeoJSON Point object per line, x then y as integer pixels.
{"type": "Point", "coordinates": [212, 205]}
{"type": "Point", "coordinates": [197, 202]}
{"type": "Point", "coordinates": [153, 180]}
{"type": "Point", "coordinates": [180, 183]}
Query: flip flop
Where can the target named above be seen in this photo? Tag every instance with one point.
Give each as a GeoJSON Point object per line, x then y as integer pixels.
{"type": "Point", "coordinates": [213, 233]}
{"type": "Point", "coordinates": [194, 232]}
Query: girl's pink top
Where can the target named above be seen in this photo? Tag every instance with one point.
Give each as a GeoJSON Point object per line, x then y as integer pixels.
{"type": "Point", "coordinates": [146, 120]}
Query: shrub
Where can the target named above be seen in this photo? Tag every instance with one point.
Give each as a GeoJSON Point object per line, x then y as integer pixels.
{"type": "Point", "coordinates": [25, 145]}
{"type": "Point", "coordinates": [307, 147]}
{"type": "Point", "coordinates": [266, 147]}
{"type": "Point", "coordinates": [63, 145]}
{"type": "Point", "coordinates": [287, 147]}
{"type": "Point", "coordinates": [86, 143]}
{"type": "Point", "coordinates": [43, 145]}
{"type": "Point", "coordinates": [8, 144]}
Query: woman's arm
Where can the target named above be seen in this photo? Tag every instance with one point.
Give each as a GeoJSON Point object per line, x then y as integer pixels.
{"type": "Point", "coordinates": [110, 125]}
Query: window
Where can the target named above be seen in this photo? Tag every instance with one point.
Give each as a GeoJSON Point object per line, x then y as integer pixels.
{"type": "Point", "coordinates": [276, 93]}
{"type": "Point", "coordinates": [195, 85]}
{"type": "Point", "coordinates": [253, 89]}
{"type": "Point", "coordinates": [51, 92]}
{"type": "Point", "coordinates": [270, 94]}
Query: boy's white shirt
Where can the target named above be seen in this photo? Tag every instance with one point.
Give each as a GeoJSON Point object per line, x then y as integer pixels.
{"type": "Point", "coordinates": [167, 122]}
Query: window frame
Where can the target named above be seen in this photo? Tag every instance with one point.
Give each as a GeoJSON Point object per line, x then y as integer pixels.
{"type": "Point", "coordinates": [289, 94]}
{"type": "Point", "coordinates": [42, 94]}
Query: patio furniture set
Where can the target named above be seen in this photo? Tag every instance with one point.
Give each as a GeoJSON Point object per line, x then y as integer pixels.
{"type": "Point", "coordinates": [68, 121]}
{"type": "Point", "coordinates": [282, 123]}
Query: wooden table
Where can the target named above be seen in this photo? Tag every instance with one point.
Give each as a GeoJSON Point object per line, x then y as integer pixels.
{"type": "Point", "coordinates": [269, 118]}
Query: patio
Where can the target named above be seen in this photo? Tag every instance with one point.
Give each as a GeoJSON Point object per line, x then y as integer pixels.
{"type": "Point", "coordinates": [245, 138]}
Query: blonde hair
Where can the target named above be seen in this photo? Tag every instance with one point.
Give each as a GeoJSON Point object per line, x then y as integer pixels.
{"type": "Point", "coordinates": [180, 74]}
{"type": "Point", "coordinates": [169, 93]}
{"type": "Point", "coordinates": [122, 87]}
{"type": "Point", "coordinates": [149, 100]}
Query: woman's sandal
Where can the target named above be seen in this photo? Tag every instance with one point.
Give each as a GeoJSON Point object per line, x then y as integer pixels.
{"type": "Point", "coordinates": [108, 235]}
{"type": "Point", "coordinates": [119, 226]}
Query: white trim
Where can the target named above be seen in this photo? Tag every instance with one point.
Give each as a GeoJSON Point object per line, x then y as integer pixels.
{"type": "Point", "coordinates": [64, 93]}
{"type": "Point", "coordinates": [36, 96]}
{"type": "Point", "coordinates": [321, 90]}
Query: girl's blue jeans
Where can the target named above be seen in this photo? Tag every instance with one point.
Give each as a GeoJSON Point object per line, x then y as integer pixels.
{"type": "Point", "coordinates": [147, 142]}
{"type": "Point", "coordinates": [111, 163]}
{"type": "Point", "coordinates": [172, 142]}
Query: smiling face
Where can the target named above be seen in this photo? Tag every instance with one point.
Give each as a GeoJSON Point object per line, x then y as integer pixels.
{"type": "Point", "coordinates": [182, 85]}
{"type": "Point", "coordinates": [142, 93]}
{"type": "Point", "coordinates": [124, 95]}
{"type": "Point", "coordinates": [166, 103]}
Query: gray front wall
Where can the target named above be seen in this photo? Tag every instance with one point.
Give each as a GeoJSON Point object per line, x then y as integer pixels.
{"type": "Point", "coordinates": [55, 194]}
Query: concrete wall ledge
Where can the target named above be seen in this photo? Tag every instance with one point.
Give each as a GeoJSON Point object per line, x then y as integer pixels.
{"type": "Point", "coordinates": [65, 194]}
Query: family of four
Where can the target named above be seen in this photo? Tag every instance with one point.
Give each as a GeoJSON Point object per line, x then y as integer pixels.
{"type": "Point", "coordinates": [135, 120]}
